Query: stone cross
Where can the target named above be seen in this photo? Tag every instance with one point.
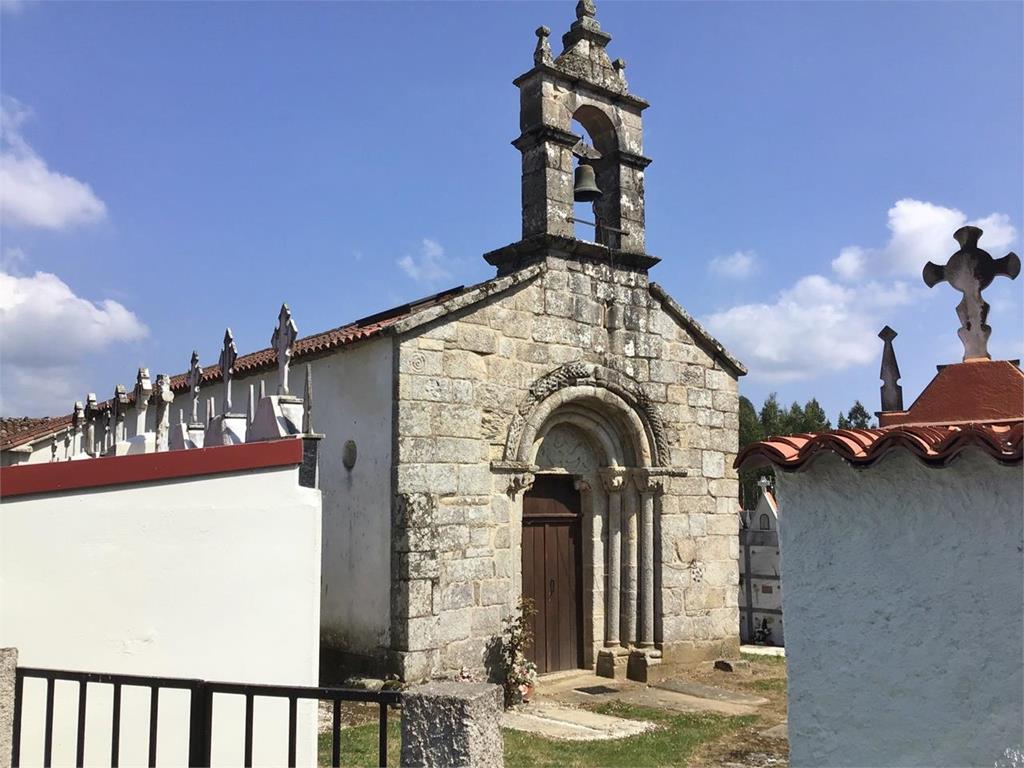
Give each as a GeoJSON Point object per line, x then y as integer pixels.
{"type": "Point", "coordinates": [764, 483]}
{"type": "Point", "coordinates": [228, 355]}
{"type": "Point", "coordinates": [892, 392]}
{"type": "Point", "coordinates": [282, 341]}
{"type": "Point", "coordinates": [194, 379]}
{"type": "Point", "coordinates": [970, 270]}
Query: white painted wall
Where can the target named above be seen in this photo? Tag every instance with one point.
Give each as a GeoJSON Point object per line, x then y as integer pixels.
{"type": "Point", "coordinates": [215, 577]}
{"type": "Point", "coordinates": [904, 608]}
{"type": "Point", "coordinates": [352, 400]}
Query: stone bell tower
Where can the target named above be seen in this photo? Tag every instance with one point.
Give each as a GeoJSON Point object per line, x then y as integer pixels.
{"type": "Point", "coordinates": [585, 85]}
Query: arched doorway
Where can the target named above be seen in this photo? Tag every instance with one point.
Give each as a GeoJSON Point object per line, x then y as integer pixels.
{"type": "Point", "coordinates": [585, 450]}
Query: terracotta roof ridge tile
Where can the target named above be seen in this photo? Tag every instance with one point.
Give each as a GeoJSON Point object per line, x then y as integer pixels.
{"type": "Point", "coordinates": [933, 444]}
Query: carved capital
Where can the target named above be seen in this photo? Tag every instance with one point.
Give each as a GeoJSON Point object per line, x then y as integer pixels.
{"type": "Point", "coordinates": [614, 478]}
{"type": "Point", "coordinates": [581, 484]}
{"type": "Point", "coordinates": [519, 475]}
{"type": "Point", "coordinates": [649, 482]}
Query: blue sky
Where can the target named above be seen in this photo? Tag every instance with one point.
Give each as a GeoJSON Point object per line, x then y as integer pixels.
{"type": "Point", "coordinates": [170, 169]}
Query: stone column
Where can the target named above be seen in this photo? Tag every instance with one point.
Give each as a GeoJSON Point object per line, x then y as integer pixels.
{"type": "Point", "coordinates": [630, 567]}
{"type": "Point", "coordinates": [452, 723]}
{"type": "Point", "coordinates": [614, 479]}
{"type": "Point", "coordinates": [649, 486]}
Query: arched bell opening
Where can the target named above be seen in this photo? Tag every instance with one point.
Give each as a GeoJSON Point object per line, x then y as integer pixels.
{"type": "Point", "coordinates": [595, 177]}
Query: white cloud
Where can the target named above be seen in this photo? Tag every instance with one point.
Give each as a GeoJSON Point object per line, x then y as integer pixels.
{"type": "Point", "coordinates": [920, 232]}
{"type": "Point", "coordinates": [738, 265]}
{"type": "Point", "coordinates": [820, 325]}
{"type": "Point", "coordinates": [816, 326]}
{"type": "Point", "coordinates": [429, 266]}
{"type": "Point", "coordinates": [31, 194]}
{"type": "Point", "coordinates": [849, 264]}
{"type": "Point", "coordinates": [46, 334]}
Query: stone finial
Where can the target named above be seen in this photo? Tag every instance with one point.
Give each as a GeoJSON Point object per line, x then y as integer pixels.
{"type": "Point", "coordinates": [764, 484]}
{"type": "Point", "coordinates": [542, 53]}
{"type": "Point", "coordinates": [282, 342]}
{"type": "Point", "coordinates": [120, 408]}
{"type": "Point", "coordinates": [892, 392]}
{"type": "Point", "coordinates": [586, 8]}
{"type": "Point", "coordinates": [193, 380]}
{"type": "Point", "coordinates": [307, 403]}
{"type": "Point", "coordinates": [143, 388]}
{"type": "Point", "coordinates": [77, 415]}
{"type": "Point", "coordinates": [164, 397]}
{"type": "Point", "coordinates": [970, 270]}
{"type": "Point", "coordinates": [228, 355]}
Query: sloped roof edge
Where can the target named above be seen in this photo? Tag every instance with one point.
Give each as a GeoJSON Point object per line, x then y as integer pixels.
{"type": "Point", "coordinates": [712, 345]}
{"type": "Point", "coordinates": [400, 319]}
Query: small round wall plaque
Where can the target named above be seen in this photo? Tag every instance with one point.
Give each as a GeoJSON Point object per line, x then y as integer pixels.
{"type": "Point", "coordinates": [348, 454]}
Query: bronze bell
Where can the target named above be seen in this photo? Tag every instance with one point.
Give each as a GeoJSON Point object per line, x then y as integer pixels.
{"type": "Point", "coordinates": [585, 188]}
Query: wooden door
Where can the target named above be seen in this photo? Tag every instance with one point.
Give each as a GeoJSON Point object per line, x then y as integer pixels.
{"type": "Point", "coordinates": [552, 572]}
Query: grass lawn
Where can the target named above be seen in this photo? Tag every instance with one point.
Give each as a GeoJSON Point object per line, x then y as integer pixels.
{"type": "Point", "coordinates": [756, 657]}
{"type": "Point", "coordinates": [671, 743]}
{"type": "Point", "coordinates": [359, 744]}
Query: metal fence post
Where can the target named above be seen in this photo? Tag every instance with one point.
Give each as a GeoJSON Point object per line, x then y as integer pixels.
{"type": "Point", "coordinates": [200, 726]}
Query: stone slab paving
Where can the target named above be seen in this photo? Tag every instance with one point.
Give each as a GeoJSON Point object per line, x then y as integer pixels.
{"type": "Point", "coordinates": [780, 731]}
{"type": "Point", "coordinates": [710, 692]}
{"type": "Point", "coordinates": [556, 721]}
{"type": "Point", "coordinates": [763, 650]}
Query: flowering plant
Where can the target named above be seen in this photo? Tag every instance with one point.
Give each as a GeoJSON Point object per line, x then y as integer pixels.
{"type": "Point", "coordinates": [516, 637]}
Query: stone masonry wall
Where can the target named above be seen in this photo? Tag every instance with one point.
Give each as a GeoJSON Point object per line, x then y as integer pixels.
{"type": "Point", "coordinates": [460, 380]}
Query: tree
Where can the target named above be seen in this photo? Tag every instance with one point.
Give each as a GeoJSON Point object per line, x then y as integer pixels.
{"type": "Point", "coordinates": [815, 419]}
{"type": "Point", "coordinates": [773, 421]}
{"type": "Point", "coordinates": [856, 418]}
{"type": "Point", "coordinates": [750, 426]}
{"type": "Point", "coordinates": [859, 417]}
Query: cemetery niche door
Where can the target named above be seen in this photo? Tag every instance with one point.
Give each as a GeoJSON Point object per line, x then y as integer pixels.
{"type": "Point", "coordinates": [552, 572]}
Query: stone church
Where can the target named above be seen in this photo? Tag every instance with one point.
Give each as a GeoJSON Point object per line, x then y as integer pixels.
{"type": "Point", "coordinates": [564, 432]}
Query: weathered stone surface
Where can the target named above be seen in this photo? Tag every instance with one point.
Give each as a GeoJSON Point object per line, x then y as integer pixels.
{"type": "Point", "coordinates": [452, 724]}
{"type": "Point", "coordinates": [8, 664]}
{"type": "Point", "coordinates": [454, 423]}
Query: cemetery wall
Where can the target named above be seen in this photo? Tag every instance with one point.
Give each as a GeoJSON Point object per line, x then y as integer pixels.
{"type": "Point", "coordinates": [903, 605]}
{"type": "Point", "coordinates": [215, 577]}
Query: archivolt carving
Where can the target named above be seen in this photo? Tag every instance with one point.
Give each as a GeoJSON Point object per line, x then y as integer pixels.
{"type": "Point", "coordinates": [578, 374]}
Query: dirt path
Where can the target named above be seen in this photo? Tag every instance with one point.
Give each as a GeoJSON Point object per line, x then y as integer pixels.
{"type": "Point", "coordinates": [749, 747]}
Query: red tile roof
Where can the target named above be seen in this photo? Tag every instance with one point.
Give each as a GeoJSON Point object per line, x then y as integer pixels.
{"type": "Point", "coordinates": [307, 347]}
{"type": "Point", "coordinates": [935, 445]}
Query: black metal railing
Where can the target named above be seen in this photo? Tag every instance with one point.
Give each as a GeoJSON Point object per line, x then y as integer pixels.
{"type": "Point", "coordinates": [201, 703]}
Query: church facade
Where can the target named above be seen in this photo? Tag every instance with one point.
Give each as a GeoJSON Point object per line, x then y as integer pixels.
{"type": "Point", "coordinates": [563, 433]}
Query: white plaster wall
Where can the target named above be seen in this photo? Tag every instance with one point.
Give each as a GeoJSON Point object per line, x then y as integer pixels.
{"type": "Point", "coordinates": [352, 400]}
{"type": "Point", "coordinates": [904, 610]}
{"type": "Point", "coordinates": [215, 578]}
